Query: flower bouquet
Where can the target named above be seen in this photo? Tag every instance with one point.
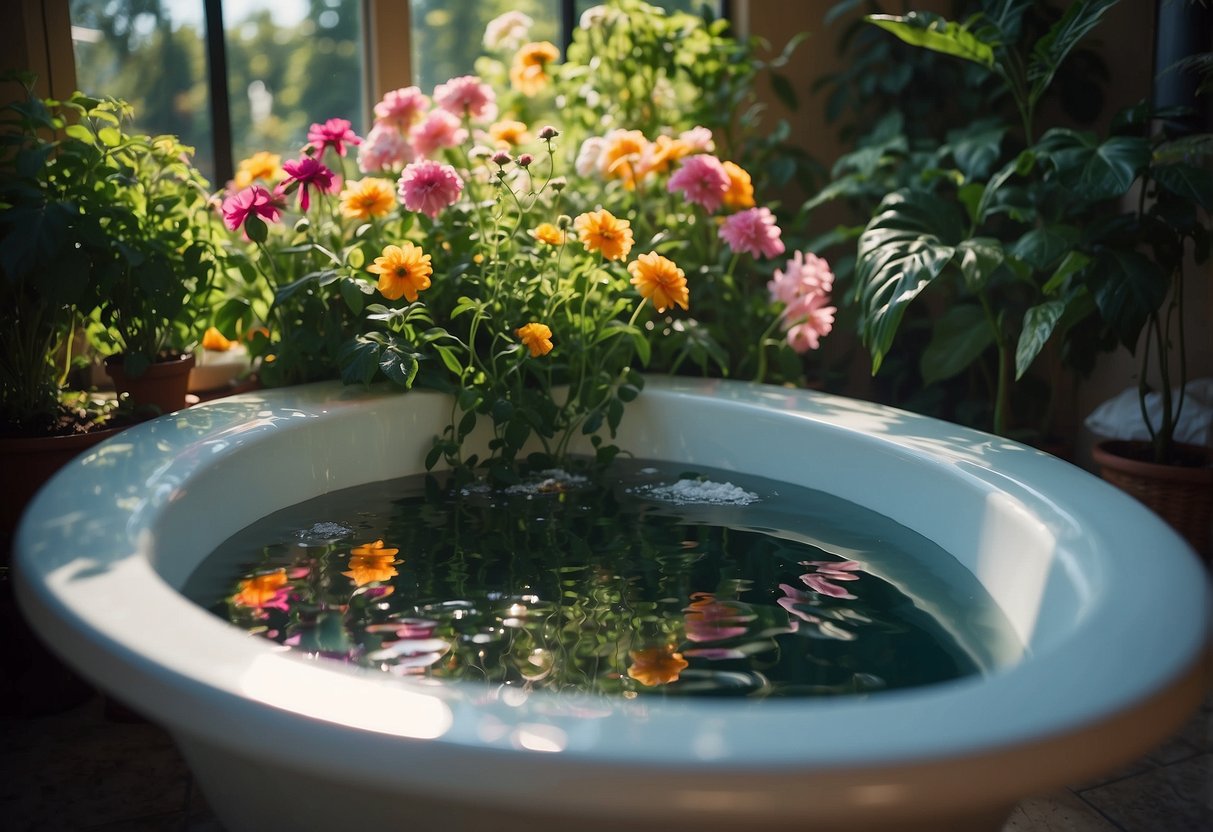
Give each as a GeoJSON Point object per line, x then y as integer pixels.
{"type": "Point", "coordinates": [528, 268]}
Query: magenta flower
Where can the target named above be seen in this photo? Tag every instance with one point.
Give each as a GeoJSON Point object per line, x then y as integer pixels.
{"type": "Point", "coordinates": [753, 231]}
{"type": "Point", "coordinates": [254, 200]}
{"type": "Point", "coordinates": [439, 129]}
{"type": "Point", "coordinates": [826, 572]}
{"type": "Point", "coordinates": [384, 149]}
{"type": "Point", "coordinates": [467, 95]}
{"type": "Point", "coordinates": [335, 133]}
{"type": "Point", "coordinates": [807, 320]}
{"type": "Point", "coordinates": [307, 173]}
{"type": "Point", "coordinates": [702, 180]}
{"type": "Point", "coordinates": [804, 274]}
{"type": "Point", "coordinates": [401, 108]}
{"type": "Point", "coordinates": [429, 187]}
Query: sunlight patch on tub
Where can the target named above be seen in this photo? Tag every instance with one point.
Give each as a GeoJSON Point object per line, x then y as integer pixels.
{"type": "Point", "coordinates": [1015, 553]}
{"type": "Point", "coordinates": [367, 704]}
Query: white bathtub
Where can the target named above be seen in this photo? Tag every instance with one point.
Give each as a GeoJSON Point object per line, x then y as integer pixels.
{"type": "Point", "coordinates": [1112, 607]}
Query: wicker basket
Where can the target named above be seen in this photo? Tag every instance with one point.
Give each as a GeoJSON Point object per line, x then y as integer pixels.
{"type": "Point", "coordinates": [1181, 495]}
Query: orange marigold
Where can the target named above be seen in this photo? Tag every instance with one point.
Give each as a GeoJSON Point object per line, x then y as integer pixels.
{"type": "Point", "coordinates": [260, 589]}
{"type": "Point", "coordinates": [536, 337]}
{"type": "Point", "coordinates": [508, 133]}
{"type": "Point", "coordinates": [741, 190]}
{"type": "Point", "coordinates": [660, 280]}
{"type": "Point", "coordinates": [656, 665]}
{"type": "Point", "coordinates": [601, 231]}
{"type": "Point", "coordinates": [528, 72]}
{"type": "Point", "coordinates": [403, 272]}
{"type": "Point", "coordinates": [623, 156]}
{"type": "Point", "coordinates": [545, 232]}
{"type": "Point", "coordinates": [366, 198]}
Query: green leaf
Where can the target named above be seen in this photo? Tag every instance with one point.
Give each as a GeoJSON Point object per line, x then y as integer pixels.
{"type": "Point", "coordinates": [466, 425]}
{"type": "Point", "coordinates": [902, 251]}
{"type": "Point", "coordinates": [784, 91]}
{"type": "Point", "coordinates": [256, 229]}
{"type": "Point", "coordinates": [359, 360]}
{"type": "Point", "coordinates": [1073, 263]}
{"type": "Point", "coordinates": [1187, 182]}
{"type": "Point", "coordinates": [449, 359]}
{"type": "Point", "coordinates": [957, 340]}
{"type": "Point", "coordinates": [351, 292]}
{"type": "Point", "coordinates": [978, 259]}
{"type": "Point", "coordinates": [977, 147]}
{"type": "Point", "coordinates": [1093, 170]}
{"type": "Point", "coordinates": [1051, 49]}
{"type": "Point", "coordinates": [1042, 247]}
{"type": "Point", "coordinates": [1128, 287]}
{"type": "Point", "coordinates": [399, 366]}
{"type": "Point", "coordinates": [1038, 325]}
{"type": "Point", "coordinates": [933, 32]}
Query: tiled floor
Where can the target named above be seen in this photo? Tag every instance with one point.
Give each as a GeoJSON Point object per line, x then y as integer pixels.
{"type": "Point", "coordinates": [84, 770]}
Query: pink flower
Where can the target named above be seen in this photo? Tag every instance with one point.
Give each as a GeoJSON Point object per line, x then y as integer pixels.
{"type": "Point", "coordinates": [254, 200]}
{"type": "Point", "coordinates": [307, 173]}
{"type": "Point", "coordinates": [699, 138]}
{"type": "Point", "coordinates": [439, 129]}
{"type": "Point", "coordinates": [467, 95]}
{"type": "Point", "coordinates": [753, 231]}
{"type": "Point", "coordinates": [384, 149]}
{"type": "Point", "coordinates": [334, 133]}
{"type": "Point", "coordinates": [805, 274]}
{"type": "Point", "coordinates": [826, 572]}
{"type": "Point", "coordinates": [702, 180]}
{"type": "Point", "coordinates": [429, 187]}
{"type": "Point", "coordinates": [589, 154]}
{"type": "Point", "coordinates": [401, 108]}
{"type": "Point", "coordinates": [807, 319]}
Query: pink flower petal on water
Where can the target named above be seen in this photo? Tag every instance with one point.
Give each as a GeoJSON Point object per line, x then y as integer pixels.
{"type": "Point", "coordinates": [714, 653]}
{"type": "Point", "coordinates": [819, 584]}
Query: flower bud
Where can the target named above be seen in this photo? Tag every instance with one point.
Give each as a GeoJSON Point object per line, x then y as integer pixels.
{"type": "Point", "coordinates": [558, 184]}
{"type": "Point", "coordinates": [548, 133]}
{"type": "Point", "coordinates": [525, 160]}
{"type": "Point", "coordinates": [501, 158]}
{"type": "Point", "coordinates": [564, 221]}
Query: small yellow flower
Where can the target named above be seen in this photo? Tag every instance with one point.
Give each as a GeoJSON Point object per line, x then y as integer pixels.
{"type": "Point", "coordinates": [403, 272]}
{"type": "Point", "coordinates": [536, 337]}
{"type": "Point", "coordinates": [656, 665]}
{"type": "Point", "coordinates": [260, 589]}
{"type": "Point", "coordinates": [601, 231]}
{"type": "Point", "coordinates": [547, 233]}
{"type": "Point", "coordinates": [660, 280]}
{"type": "Point", "coordinates": [366, 198]}
{"type": "Point", "coordinates": [741, 190]}
{"type": "Point", "coordinates": [261, 166]}
{"type": "Point", "coordinates": [528, 72]}
{"type": "Point", "coordinates": [371, 562]}
{"type": "Point", "coordinates": [508, 133]}
{"type": "Point", "coordinates": [213, 340]}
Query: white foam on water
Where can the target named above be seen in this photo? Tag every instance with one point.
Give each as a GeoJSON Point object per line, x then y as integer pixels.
{"type": "Point", "coordinates": [700, 492]}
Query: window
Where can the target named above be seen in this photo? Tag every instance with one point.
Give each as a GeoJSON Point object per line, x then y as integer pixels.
{"type": "Point", "coordinates": [282, 64]}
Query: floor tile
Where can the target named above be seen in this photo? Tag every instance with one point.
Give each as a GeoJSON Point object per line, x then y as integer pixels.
{"type": "Point", "coordinates": [1172, 798]}
{"type": "Point", "coordinates": [1060, 812]}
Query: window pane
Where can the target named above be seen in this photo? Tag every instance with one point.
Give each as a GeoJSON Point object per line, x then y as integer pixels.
{"type": "Point", "coordinates": [692, 6]}
{"type": "Point", "coordinates": [153, 55]}
{"type": "Point", "coordinates": [448, 35]}
{"type": "Point", "coordinates": [291, 64]}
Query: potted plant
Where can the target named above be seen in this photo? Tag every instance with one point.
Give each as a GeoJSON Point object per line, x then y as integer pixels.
{"type": "Point", "coordinates": [155, 266]}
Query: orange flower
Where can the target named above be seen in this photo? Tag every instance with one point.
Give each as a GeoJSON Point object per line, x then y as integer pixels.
{"type": "Point", "coordinates": [623, 155]}
{"type": "Point", "coordinates": [661, 153]}
{"type": "Point", "coordinates": [260, 589]}
{"type": "Point", "coordinates": [371, 562]}
{"type": "Point", "coordinates": [537, 337]}
{"type": "Point", "coordinates": [601, 231]}
{"type": "Point", "coordinates": [545, 232]}
{"type": "Point", "coordinates": [213, 340]}
{"type": "Point", "coordinates": [261, 166]}
{"type": "Point", "coordinates": [403, 272]}
{"type": "Point", "coordinates": [656, 665]}
{"type": "Point", "coordinates": [660, 280]}
{"type": "Point", "coordinates": [528, 73]}
{"type": "Point", "coordinates": [741, 190]}
{"type": "Point", "coordinates": [508, 133]}
{"type": "Point", "coordinates": [366, 198]}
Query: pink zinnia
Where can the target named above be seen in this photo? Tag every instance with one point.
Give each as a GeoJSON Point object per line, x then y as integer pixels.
{"type": "Point", "coordinates": [700, 138]}
{"type": "Point", "coordinates": [702, 180]}
{"type": "Point", "coordinates": [467, 95]}
{"type": "Point", "coordinates": [253, 200]}
{"type": "Point", "coordinates": [804, 274]}
{"type": "Point", "coordinates": [753, 231]}
{"type": "Point", "coordinates": [807, 320]}
{"type": "Point", "coordinates": [384, 149]}
{"type": "Point", "coordinates": [335, 133]}
{"type": "Point", "coordinates": [440, 129]}
{"type": "Point", "coordinates": [429, 187]}
{"type": "Point", "coordinates": [401, 108]}
{"type": "Point", "coordinates": [308, 173]}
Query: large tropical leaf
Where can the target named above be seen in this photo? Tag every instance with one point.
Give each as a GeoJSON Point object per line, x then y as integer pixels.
{"type": "Point", "coordinates": [902, 251]}
{"type": "Point", "coordinates": [1129, 286]}
{"type": "Point", "coordinates": [1048, 53]}
{"type": "Point", "coordinates": [1038, 325]}
{"type": "Point", "coordinates": [957, 340]}
{"type": "Point", "coordinates": [1091, 169]}
{"type": "Point", "coordinates": [930, 31]}
{"type": "Point", "coordinates": [1187, 182]}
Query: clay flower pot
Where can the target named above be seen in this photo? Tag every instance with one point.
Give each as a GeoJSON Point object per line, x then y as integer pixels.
{"type": "Point", "coordinates": [1180, 494]}
{"type": "Point", "coordinates": [163, 384]}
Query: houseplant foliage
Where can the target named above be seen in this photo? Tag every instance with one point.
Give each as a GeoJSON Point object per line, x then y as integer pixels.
{"type": "Point", "coordinates": [529, 268]}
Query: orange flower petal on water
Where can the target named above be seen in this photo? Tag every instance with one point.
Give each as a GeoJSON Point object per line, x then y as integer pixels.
{"type": "Point", "coordinates": [260, 589]}
{"type": "Point", "coordinates": [655, 666]}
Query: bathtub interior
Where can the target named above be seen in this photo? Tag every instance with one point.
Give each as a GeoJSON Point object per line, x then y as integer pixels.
{"type": "Point", "coordinates": [153, 504]}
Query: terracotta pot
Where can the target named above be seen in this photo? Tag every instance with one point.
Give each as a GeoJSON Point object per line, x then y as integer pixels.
{"type": "Point", "coordinates": [1182, 495]}
{"type": "Point", "coordinates": [163, 385]}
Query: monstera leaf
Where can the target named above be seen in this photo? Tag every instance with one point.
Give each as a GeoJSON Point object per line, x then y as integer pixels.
{"type": "Point", "coordinates": [933, 32]}
{"type": "Point", "coordinates": [905, 247]}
